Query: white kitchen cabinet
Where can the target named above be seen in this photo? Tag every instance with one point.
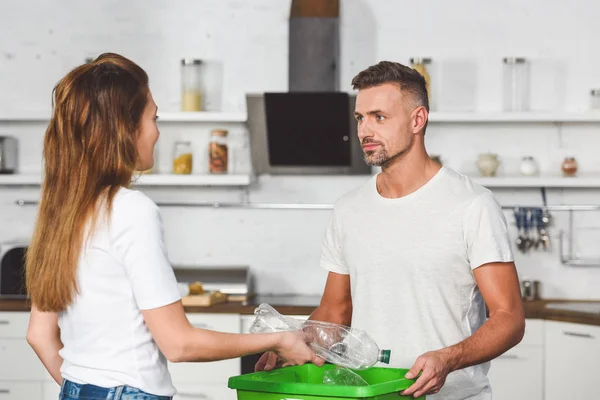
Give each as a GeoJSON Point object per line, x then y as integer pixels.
{"type": "Point", "coordinates": [18, 361]}
{"type": "Point", "coordinates": [217, 372]}
{"type": "Point", "coordinates": [518, 374]}
{"type": "Point", "coordinates": [10, 390]}
{"type": "Point", "coordinates": [21, 372]}
{"type": "Point", "coordinates": [14, 325]}
{"type": "Point", "coordinates": [572, 361]}
{"type": "Point", "coordinates": [50, 390]}
{"type": "Point", "coordinates": [204, 392]}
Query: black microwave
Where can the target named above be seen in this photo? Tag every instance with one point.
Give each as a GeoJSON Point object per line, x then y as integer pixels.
{"type": "Point", "coordinates": [12, 269]}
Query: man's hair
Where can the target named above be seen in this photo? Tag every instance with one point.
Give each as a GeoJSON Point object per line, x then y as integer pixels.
{"type": "Point", "coordinates": [407, 79]}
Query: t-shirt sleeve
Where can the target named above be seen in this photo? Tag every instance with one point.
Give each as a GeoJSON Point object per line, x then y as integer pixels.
{"type": "Point", "coordinates": [138, 229]}
{"type": "Point", "coordinates": [332, 258]}
{"type": "Point", "coordinates": [486, 232]}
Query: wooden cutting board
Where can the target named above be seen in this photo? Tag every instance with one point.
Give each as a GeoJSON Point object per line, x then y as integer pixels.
{"type": "Point", "coordinates": [204, 300]}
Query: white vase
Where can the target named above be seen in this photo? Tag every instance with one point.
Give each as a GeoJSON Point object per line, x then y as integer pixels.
{"type": "Point", "coordinates": [529, 167]}
{"type": "Point", "coordinates": [488, 164]}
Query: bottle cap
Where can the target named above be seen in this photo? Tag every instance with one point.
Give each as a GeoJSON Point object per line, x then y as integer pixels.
{"type": "Point", "coordinates": [385, 356]}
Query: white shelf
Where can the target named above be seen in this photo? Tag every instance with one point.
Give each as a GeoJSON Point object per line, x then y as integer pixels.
{"type": "Point", "coordinates": [434, 117]}
{"type": "Point", "coordinates": [33, 117]}
{"type": "Point", "coordinates": [192, 180]}
{"type": "Point", "coordinates": [208, 116]}
{"type": "Point", "coordinates": [146, 180]}
{"type": "Point", "coordinates": [592, 181]}
{"type": "Point", "coordinates": [482, 117]}
{"type": "Point", "coordinates": [20, 180]}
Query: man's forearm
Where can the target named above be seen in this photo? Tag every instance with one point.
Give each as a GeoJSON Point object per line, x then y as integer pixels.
{"type": "Point", "coordinates": [342, 314]}
{"type": "Point", "coordinates": [499, 333]}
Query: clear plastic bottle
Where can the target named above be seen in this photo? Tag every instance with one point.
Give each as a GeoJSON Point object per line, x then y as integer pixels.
{"type": "Point", "coordinates": [340, 345]}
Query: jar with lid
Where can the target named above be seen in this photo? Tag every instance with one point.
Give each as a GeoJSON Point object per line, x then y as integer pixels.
{"type": "Point", "coordinates": [191, 89]}
{"type": "Point", "coordinates": [423, 66]}
{"type": "Point", "coordinates": [516, 84]}
{"type": "Point", "coordinates": [595, 100]}
{"type": "Point", "coordinates": [182, 158]}
{"type": "Point", "coordinates": [569, 166]}
{"type": "Point", "coordinates": [218, 151]}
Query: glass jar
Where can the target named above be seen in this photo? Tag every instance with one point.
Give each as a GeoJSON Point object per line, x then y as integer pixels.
{"type": "Point", "coordinates": [191, 92]}
{"type": "Point", "coordinates": [218, 152]}
{"type": "Point", "coordinates": [421, 66]}
{"type": "Point", "coordinates": [569, 166]}
{"type": "Point", "coordinates": [595, 101]}
{"type": "Point", "coordinates": [516, 84]}
{"type": "Point", "coordinates": [182, 158]}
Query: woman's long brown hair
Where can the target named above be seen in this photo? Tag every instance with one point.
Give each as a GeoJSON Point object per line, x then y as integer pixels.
{"type": "Point", "coordinates": [90, 151]}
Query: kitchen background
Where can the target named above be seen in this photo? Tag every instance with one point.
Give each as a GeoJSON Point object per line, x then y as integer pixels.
{"type": "Point", "coordinates": [466, 40]}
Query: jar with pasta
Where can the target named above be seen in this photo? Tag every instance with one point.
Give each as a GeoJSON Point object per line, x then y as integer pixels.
{"type": "Point", "coordinates": [182, 158]}
{"type": "Point", "coordinates": [422, 66]}
{"type": "Point", "coordinates": [218, 152]}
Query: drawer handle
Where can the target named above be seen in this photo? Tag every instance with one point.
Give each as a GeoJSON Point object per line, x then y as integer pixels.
{"type": "Point", "coordinates": [201, 325]}
{"type": "Point", "coordinates": [4, 391]}
{"type": "Point", "coordinates": [581, 335]}
{"type": "Point", "coordinates": [193, 395]}
{"type": "Point", "coordinates": [4, 322]}
{"type": "Point", "coordinates": [509, 356]}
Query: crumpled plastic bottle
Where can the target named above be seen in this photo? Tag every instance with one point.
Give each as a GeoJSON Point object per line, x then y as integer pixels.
{"type": "Point", "coordinates": [338, 344]}
{"type": "Point", "coordinates": [341, 376]}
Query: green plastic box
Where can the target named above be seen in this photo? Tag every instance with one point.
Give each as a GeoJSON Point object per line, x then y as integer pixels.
{"type": "Point", "coordinates": [306, 383]}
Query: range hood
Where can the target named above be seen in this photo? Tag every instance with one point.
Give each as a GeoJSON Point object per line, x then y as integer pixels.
{"type": "Point", "coordinates": [303, 133]}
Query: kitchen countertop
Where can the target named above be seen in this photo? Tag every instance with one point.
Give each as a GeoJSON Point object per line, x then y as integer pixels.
{"type": "Point", "coordinates": [305, 305]}
{"type": "Point", "coordinates": [285, 304]}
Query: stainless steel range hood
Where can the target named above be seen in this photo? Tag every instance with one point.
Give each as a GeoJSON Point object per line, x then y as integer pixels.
{"type": "Point", "coordinates": [304, 133]}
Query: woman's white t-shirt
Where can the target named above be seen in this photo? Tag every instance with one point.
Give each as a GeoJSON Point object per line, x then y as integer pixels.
{"type": "Point", "coordinates": [122, 270]}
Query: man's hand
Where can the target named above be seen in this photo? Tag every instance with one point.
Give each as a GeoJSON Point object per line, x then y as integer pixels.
{"type": "Point", "coordinates": [268, 361]}
{"type": "Point", "coordinates": [435, 366]}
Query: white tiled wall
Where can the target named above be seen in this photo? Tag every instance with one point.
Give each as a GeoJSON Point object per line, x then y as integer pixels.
{"type": "Point", "coordinates": [40, 41]}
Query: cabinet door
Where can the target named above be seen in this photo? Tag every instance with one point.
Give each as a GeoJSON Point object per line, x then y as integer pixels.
{"type": "Point", "coordinates": [204, 392]}
{"type": "Point", "coordinates": [518, 374]}
{"type": "Point", "coordinates": [18, 361]}
{"type": "Point", "coordinates": [13, 324]}
{"type": "Point", "coordinates": [11, 390]}
{"type": "Point", "coordinates": [572, 361]}
{"type": "Point", "coordinates": [51, 390]}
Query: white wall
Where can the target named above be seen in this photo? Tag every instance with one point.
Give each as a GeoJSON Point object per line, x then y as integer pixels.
{"type": "Point", "coordinates": [41, 40]}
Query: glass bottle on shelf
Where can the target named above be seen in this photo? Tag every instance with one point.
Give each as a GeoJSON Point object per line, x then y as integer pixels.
{"type": "Point", "coordinates": [218, 152]}
{"type": "Point", "coordinates": [191, 92]}
{"type": "Point", "coordinates": [182, 158]}
{"type": "Point", "coordinates": [516, 84]}
{"type": "Point", "coordinates": [595, 99]}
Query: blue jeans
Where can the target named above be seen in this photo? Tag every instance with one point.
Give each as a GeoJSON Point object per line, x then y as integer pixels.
{"type": "Point", "coordinates": [71, 390]}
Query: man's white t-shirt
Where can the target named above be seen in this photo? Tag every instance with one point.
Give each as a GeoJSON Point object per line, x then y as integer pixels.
{"type": "Point", "coordinates": [122, 270]}
{"type": "Point", "coordinates": [411, 263]}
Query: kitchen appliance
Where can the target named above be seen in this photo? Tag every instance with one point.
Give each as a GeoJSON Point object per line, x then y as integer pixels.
{"type": "Point", "coordinates": [303, 133]}
{"type": "Point", "coordinates": [12, 269]}
{"type": "Point", "coordinates": [235, 282]}
{"type": "Point", "coordinates": [8, 155]}
{"type": "Point", "coordinates": [530, 290]}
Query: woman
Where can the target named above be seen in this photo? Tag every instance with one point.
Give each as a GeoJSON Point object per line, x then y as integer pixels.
{"type": "Point", "coordinates": [106, 311]}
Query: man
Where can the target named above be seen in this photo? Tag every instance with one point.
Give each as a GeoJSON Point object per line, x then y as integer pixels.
{"type": "Point", "coordinates": [416, 253]}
